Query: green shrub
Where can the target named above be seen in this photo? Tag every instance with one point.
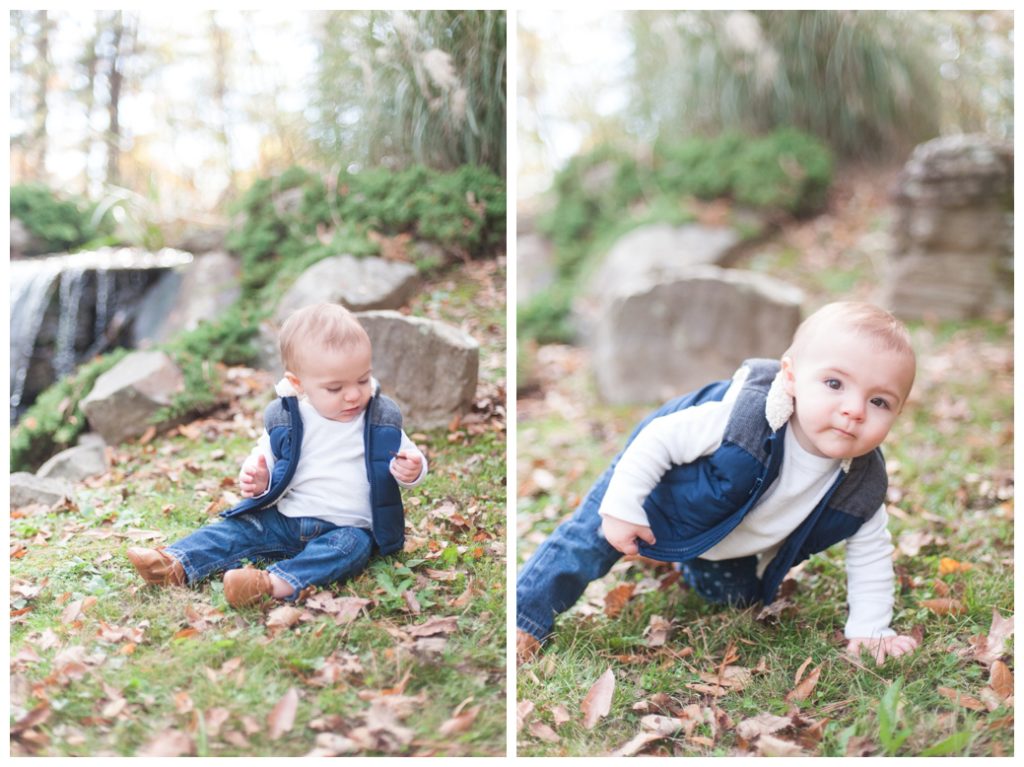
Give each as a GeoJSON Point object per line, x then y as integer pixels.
{"type": "Point", "coordinates": [787, 170]}
{"type": "Point", "coordinates": [60, 223]}
{"type": "Point", "coordinates": [55, 419]}
{"type": "Point", "coordinates": [545, 318]}
{"type": "Point", "coordinates": [463, 210]}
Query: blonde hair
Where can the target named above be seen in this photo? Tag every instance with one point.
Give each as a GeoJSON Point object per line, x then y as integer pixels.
{"type": "Point", "coordinates": [863, 318]}
{"type": "Point", "coordinates": [327, 327]}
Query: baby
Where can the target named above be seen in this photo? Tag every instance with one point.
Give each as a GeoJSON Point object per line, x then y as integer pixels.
{"type": "Point", "coordinates": [743, 479]}
{"type": "Point", "coordinates": [321, 485]}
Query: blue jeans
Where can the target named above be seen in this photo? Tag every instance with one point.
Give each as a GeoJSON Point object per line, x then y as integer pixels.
{"type": "Point", "coordinates": [308, 551]}
{"type": "Point", "coordinates": [576, 553]}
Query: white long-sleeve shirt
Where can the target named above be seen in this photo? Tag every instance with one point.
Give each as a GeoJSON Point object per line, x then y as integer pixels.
{"type": "Point", "coordinates": [803, 480]}
{"type": "Point", "coordinates": [330, 481]}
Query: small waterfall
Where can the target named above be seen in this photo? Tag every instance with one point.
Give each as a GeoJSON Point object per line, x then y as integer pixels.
{"type": "Point", "coordinates": [97, 295]}
{"type": "Point", "coordinates": [30, 294]}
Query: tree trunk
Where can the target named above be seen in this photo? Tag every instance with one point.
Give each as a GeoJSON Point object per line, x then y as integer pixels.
{"type": "Point", "coordinates": [221, 58]}
{"type": "Point", "coordinates": [38, 139]}
{"type": "Point", "coordinates": [114, 80]}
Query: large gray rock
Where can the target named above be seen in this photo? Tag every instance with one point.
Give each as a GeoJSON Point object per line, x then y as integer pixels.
{"type": "Point", "coordinates": [656, 340]}
{"type": "Point", "coordinates": [429, 368]}
{"type": "Point", "coordinates": [952, 233]}
{"type": "Point", "coordinates": [76, 463]}
{"type": "Point", "coordinates": [27, 489]}
{"type": "Point", "coordinates": [360, 284]}
{"type": "Point", "coordinates": [125, 398]}
{"type": "Point", "coordinates": [185, 296]}
{"type": "Point", "coordinates": [648, 255]}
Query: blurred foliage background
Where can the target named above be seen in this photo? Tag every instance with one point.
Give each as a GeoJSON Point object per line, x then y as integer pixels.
{"type": "Point", "coordinates": [867, 83]}
{"type": "Point", "coordinates": [625, 118]}
{"type": "Point", "coordinates": [179, 112]}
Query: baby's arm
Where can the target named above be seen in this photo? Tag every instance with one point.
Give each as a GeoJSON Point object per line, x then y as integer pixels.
{"type": "Point", "coordinates": [676, 438]}
{"type": "Point", "coordinates": [409, 466]}
{"type": "Point", "coordinates": [254, 476]}
{"type": "Point", "coordinates": [870, 585]}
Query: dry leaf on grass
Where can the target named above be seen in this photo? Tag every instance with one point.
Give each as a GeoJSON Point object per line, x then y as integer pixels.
{"type": "Point", "coordinates": [657, 631]}
{"type": "Point", "coordinates": [540, 730]}
{"type": "Point", "coordinates": [460, 721]}
{"type": "Point", "coordinates": [962, 699]}
{"type": "Point", "coordinates": [988, 648]}
{"type": "Point", "coordinates": [948, 565]}
{"type": "Point", "coordinates": [616, 599]}
{"type": "Point", "coordinates": [1000, 679]}
{"type": "Point", "coordinates": [638, 743]}
{"type": "Point", "coordinates": [561, 715]}
{"type": "Point", "coordinates": [523, 711]}
{"type": "Point", "coordinates": [944, 606]}
{"type": "Point", "coordinates": [598, 701]}
{"type": "Point", "coordinates": [769, 745]}
{"type": "Point", "coordinates": [283, 617]}
{"type": "Point", "coordinates": [804, 686]}
{"type": "Point", "coordinates": [434, 626]}
{"type": "Point", "coordinates": [168, 743]}
{"type": "Point", "coordinates": [282, 716]}
{"type": "Point", "coordinates": [762, 724]}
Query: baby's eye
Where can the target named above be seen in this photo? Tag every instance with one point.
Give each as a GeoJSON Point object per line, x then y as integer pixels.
{"type": "Point", "coordinates": [364, 381]}
{"type": "Point", "coordinates": [879, 402]}
{"type": "Point", "coordinates": [833, 383]}
{"type": "Point", "coordinates": [334, 391]}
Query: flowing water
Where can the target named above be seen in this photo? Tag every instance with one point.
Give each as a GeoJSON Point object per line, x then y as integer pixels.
{"type": "Point", "coordinates": [116, 275]}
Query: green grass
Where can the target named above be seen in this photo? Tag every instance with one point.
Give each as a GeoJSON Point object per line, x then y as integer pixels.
{"type": "Point", "coordinates": [455, 528]}
{"type": "Point", "coordinates": [950, 479]}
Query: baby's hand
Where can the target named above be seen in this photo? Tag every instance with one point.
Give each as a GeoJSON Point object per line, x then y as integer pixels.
{"type": "Point", "coordinates": [622, 535]}
{"type": "Point", "coordinates": [880, 648]}
{"type": "Point", "coordinates": [406, 466]}
{"type": "Point", "coordinates": [254, 477]}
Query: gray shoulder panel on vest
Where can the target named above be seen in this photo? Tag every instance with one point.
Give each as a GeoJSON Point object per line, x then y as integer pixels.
{"type": "Point", "coordinates": [275, 415]}
{"type": "Point", "coordinates": [748, 425]}
{"type": "Point", "coordinates": [384, 412]}
{"type": "Point", "coordinates": [865, 487]}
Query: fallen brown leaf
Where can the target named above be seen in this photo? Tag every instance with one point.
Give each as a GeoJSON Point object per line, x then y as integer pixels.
{"type": "Point", "coordinates": [987, 648]}
{"type": "Point", "coordinates": [560, 714]}
{"type": "Point", "coordinates": [944, 606]}
{"type": "Point", "coordinates": [769, 745]}
{"type": "Point", "coordinates": [804, 687]}
{"type": "Point", "coordinates": [283, 617]}
{"type": "Point", "coordinates": [168, 743]}
{"type": "Point", "coordinates": [962, 699]}
{"type": "Point", "coordinates": [598, 700]}
{"type": "Point", "coordinates": [637, 744]}
{"type": "Point", "coordinates": [459, 722]}
{"type": "Point", "coordinates": [657, 631]}
{"type": "Point", "coordinates": [444, 625]}
{"type": "Point", "coordinates": [762, 724]}
{"type": "Point", "coordinates": [1000, 679]}
{"type": "Point", "coordinates": [540, 730]}
{"type": "Point", "coordinates": [524, 709]}
{"type": "Point", "coordinates": [616, 599]}
{"type": "Point", "coordinates": [948, 565]}
{"type": "Point", "coordinates": [282, 716]}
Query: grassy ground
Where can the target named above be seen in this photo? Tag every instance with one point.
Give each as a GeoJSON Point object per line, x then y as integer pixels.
{"type": "Point", "coordinates": [727, 683]}
{"type": "Point", "coordinates": [407, 659]}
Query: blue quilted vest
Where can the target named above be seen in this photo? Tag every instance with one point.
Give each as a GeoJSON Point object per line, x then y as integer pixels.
{"type": "Point", "coordinates": [382, 437]}
{"type": "Point", "coordinates": [696, 505]}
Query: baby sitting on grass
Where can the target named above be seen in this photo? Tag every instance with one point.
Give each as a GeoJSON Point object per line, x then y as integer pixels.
{"type": "Point", "coordinates": [743, 479]}
{"type": "Point", "coordinates": [322, 484]}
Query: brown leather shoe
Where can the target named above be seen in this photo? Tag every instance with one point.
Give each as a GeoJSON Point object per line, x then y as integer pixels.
{"type": "Point", "coordinates": [527, 647]}
{"type": "Point", "coordinates": [157, 567]}
{"type": "Point", "coordinates": [247, 586]}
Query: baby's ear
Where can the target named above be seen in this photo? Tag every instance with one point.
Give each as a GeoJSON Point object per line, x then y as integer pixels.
{"type": "Point", "coordinates": [294, 381]}
{"type": "Point", "coordinates": [787, 376]}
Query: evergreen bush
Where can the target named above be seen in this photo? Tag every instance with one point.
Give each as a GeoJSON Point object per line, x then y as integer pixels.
{"type": "Point", "coordinates": [60, 223]}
